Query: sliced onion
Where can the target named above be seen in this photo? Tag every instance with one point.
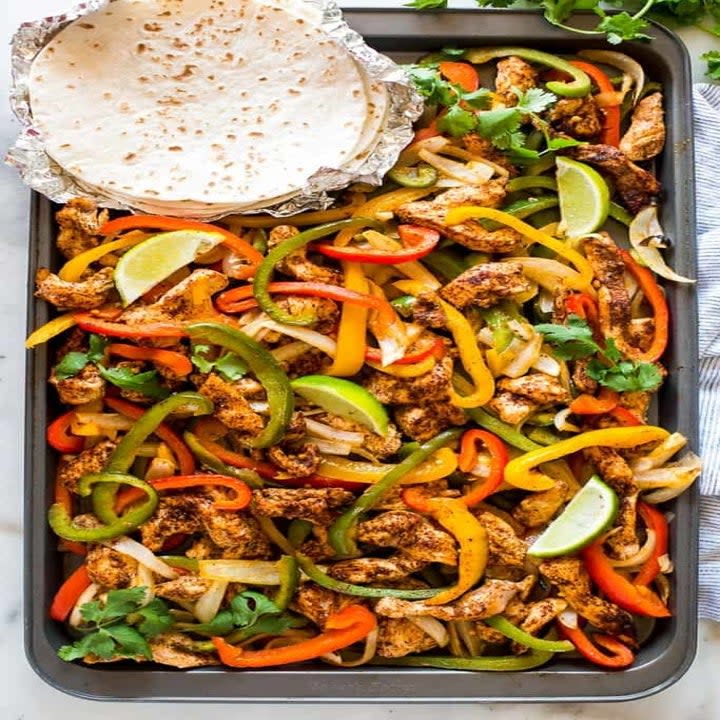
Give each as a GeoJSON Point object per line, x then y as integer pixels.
{"type": "Point", "coordinates": [641, 555]}
{"type": "Point", "coordinates": [410, 155]}
{"type": "Point", "coordinates": [481, 469]}
{"type": "Point", "coordinates": [447, 182]}
{"type": "Point", "coordinates": [485, 336]}
{"type": "Point", "coordinates": [432, 627]}
{"type": "Point", "coordinates": [259, 406]}
{"type": "Point", "coordinates": [478, 174]}
{"type": "Point", "coordinates": [547, 364]}
{"type": "Point", "coordinates": [609, 99]}
{"type": "Point", "coordinates": [160, 468]}
{"type": "Point", "coordinates": [76, 619]}
{"type": "Point", "coordinates": [235, 266]}
{"type": "Point", "coordinates": [247, 572]}
{"type": "Point", "coordinates": [569, 618]}
{"type": "Point", "coordinates": [644, 227]}
{"type": "Point", "coordinates": [310, 337]}
{"type": "Point", "coordinates": [290, 351]}
{"type": "Point", "coordinates": [621, 62]}
{"type": "Point", "coordinates": [368, 653]}
{"type": "Point", "coordinates": [679, 477]}
{"type": "Point", "coordinates": [560, 421]}
{"type": "Point", "coordinates": [132, 548]}
{"type": "Point", "coordinates": [328, 432]}
{"type": "Point", "coordinates": [525, 359]}
{"type": "Point", "coordinates": [208, 604]}
{"type": "Point", "coordinates": [545, 272]}
{"type": "Point", "coordinates": [332, 447]}
{"type": "Point", "coordinates": [145, 578]}
{"type": "Point", "coordinates": [666, 564]}
{"type": "Point", "coordinates": [148, 449]}
{"type": "Point", "coordinates": [661, 454]}
{"type": "Point", "coordinates": [105, 421]}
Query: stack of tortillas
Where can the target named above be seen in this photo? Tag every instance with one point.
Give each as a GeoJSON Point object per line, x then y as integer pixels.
{"type": "Point", "coordinates": [199, 108]}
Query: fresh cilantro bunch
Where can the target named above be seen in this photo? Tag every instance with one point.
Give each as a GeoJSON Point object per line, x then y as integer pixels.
{"type": "Point", "coordinates": [120, 626]}
{"type": "Point", "coordinates": [574, 341]}
{"type": "Point", "coordinates": [230, 366]}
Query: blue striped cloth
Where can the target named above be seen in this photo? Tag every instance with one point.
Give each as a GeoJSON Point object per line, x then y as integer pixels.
{"type": "Point", "coordinates": [706, 100]}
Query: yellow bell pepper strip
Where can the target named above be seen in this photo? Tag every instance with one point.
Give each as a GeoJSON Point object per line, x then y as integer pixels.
{"type": "Point", "coordinates": [458, 215]}
{"type": "Point", "coordinates": [340, 534]}
{"type": "Point", "coordinates": [472, 538]}
{"type": "Point", "coordinates": [405, 371]}
{"type": "Point", "coordinates": [518, 469]}
{"type": "Point", "coordinates": [351, 338]}
{"type": "Point", "coordinates": [504, 626]}
{"type": "Point", "coordinates": [50, 330]}
{"type": "Point", "coordinates": [491, 663]}
{"type": "Point", "coordinates": [73, 269]}
{"type": "Point", "coordinates": [345, 627]}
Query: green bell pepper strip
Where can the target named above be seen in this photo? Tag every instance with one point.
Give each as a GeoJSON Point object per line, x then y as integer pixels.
{"type": "Point", "coordinates": [124, 454]}
{"type": "Point", "coordinates": [476, 258]}
{"type": "Point", "coordinates": [211, 462]}
{"type": "Point", "coordinates": [542, 436]}
{"type": "Point", "coordinates": [579, 86]}
{"type": "Point", "coordinates": [504, 626]}
{"type": "Point", "coordinates": [341, 531]}
{"type": "Point", "coordinates": [446, 263]}
{"type": "Point", "coordinates": [180, 561]}
{"type": "Point", "coordinates": [404, 305]}
{"type": "Point", "coordinates": [282, 250]}
{"type": "Point", "coordinates": [289, 580]}
{"type": "Point", "coordinates": [298, 532]}
{"type": "Point", "coordinates": [266, 369]}
{"type": "Point", "coordinates": [420, 176]}
{"type": "Point", "coordinates": [499, 663]}
{"type": "Point", "coordinates": [260, 240]}
{"type": "Point", "coordinates": [526, 182]}
{"type": "Point", "coordinates": [619, 213]}
{"type": "Point", "coordinates": [497, 319]}
{"type": "Point", "coordinates": [273, 534]}
{"type": "Point", "coordinates": [525, 208]}
{"type": "Point", "coordinates": [324, 580]}
{"type": "Point", "coordinates": [63, 525]}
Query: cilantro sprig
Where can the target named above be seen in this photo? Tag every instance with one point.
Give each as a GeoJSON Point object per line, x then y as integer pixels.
{"type": "Point", "coordinates": [229, 365]}
{"type": "Point", "coordinates": [574, 341]}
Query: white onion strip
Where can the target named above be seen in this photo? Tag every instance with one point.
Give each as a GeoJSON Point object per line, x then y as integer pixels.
{"type": "Point", "coordinates": [328, 432]}
{"type": "Point", "coordinates": [432, 627]}
{"type": "Point", "coordinates": [207, 606]}
{"type": "Point", "coordinates": [86, 596]}
{"type": "Point", "coordinates": [368, 653]}
{"type": "Point", "coordinates": [132, 548]}
{"type": "Point", "coordinates": [641, 555]}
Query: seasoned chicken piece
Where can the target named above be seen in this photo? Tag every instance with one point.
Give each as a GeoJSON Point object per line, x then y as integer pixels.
{"type": "Point", "coordinates": [392, 499]}
{"type": "Point", "coordinates": [427, 311]}
{"type": "Point", "coordinates": [79, 222]}
{"type": "Point", "coordinates": [416, 536]}
{"type": "Point", "coordinates": [433, 385]}
{"type": "Point", "coordinates": [488, 600]}
{"type": "Point", "coordinates": [513, 73]}
{"type": "Point", "coordinates": [645, 137]}
{"type": "Point", "coordinates": [485, 285]}
{"type": "Point", "coordinates": [188, 300]}
{"type": "Point", "coordinates": [82, 295]}
{"type": "Point", "coordinates": [560, 297]}
{"type": "Point", "coordinates": [581, 380]}
{"type": "Point", "coordinates": [176, 649]}
{"type": "Point", "coordinates": [636, 187]}
{"type": "Point", "coordinates": [573, 583]}
{"type": "Point", "coordinates": [540, 388]}
{"type": "Point", "coordinates": [109, 568]}
{"type": "Point", "coordinates": [376, 570]}
{"type": "Point", "coordinates": [512, 409]}
{"type": "Point", "coordinates": [423, 422]}
{"type": "Point", "coordinates": [379, 446]}
{"type": "Point", "coordinates": [318, 548]}
{"type": "Point", "coordinates": [533, 617]}
{"type": "Point", "coordinates": [540, 508]}
{"type": "Point", "coordinates": [478, 145]}
{"type": "Point", "coordinates": [236, 533]}
{"type": "Point", "coordinates": [174, 514]}
{"type": "Point", "coordinates": [398, 637]}
{"type": "Point", "coordinates": [431, 213]}
{"type": "Point", "coordinates": [186, 588]}
{"type": "Point", "coordinates": [313, 504]}
{"type": "Point", "coordinates": [231, 406]}
{"type": "Point", "coordinates": [311, 362]}
{"type": "Point", "coordinates": [504, 546]}
{"type": "Point", "coordinates": [204, 549]}
{"type": "Point", "coordinates": [578, 117]}
{"type": "Point", "coordinates": [317, 603]}
{"type": "Point", "coordinates": [296, 264]}
{"type": "Point", "coordinates": [324, 311]}
{"type": "Point", "coordinates": [296, 463]}
{"type": "Point", "coordinates": [82, 388]}
{"type": "Point", "coordinates": [93, 460]}
{"type": "Point", "coordinates": [636, 402]}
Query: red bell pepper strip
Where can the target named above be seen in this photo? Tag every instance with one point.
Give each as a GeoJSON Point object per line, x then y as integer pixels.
{"type": "Point", "coordinates": [159, 222]}
{"type": "Point", "coordinates": [68, 594]}
{"type": "Point", "coordinates": [186, 460]}
{"type": "Point", "coordinates": [460, 73]}
{"type": "Point", "coordinates": [243, 494]}
{"type": "Point", "coordinates": [587, 404]}
{"type": "Point", "coordinates": [656, 298]}
{"type": "Point", "coordinates": [622, 656]}
{"type": "Point", "coordinates": [657, 522]}
{"type": "Point", "coordinates": [343, 628]}
{"type": "Point", "coordinates": [177, 362]}
{"type": "Point", "coordinates": [633, 598]}
{"type": "Point", "coordinates": [468, 459]}
{"type": "Point", "coordinates": [60, 439]}
{"type": "Point", "coordinates": [584, 306]}
{"type": "Point", "coordinates": [419, 241]}
{"type": "Point", "coordinates": [436, 349]}
{"type": "Point", "coordinates": [90, 323]}
{"type": "Point", "coordinates": [625, 417]}
{"type": "Point", "coordinates": [611, 125]}
{"type": "Point", "coordinates": [427, 132]}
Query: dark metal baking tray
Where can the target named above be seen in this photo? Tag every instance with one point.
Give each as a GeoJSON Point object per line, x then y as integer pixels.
{"type": "Point", "coordinates": [660, 663]}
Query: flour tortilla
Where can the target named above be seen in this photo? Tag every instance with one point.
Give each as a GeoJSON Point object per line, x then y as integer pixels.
{"type": "Point", "coordinates": [193, 103]}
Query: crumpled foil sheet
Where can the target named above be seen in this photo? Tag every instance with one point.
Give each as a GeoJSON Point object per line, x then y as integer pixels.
{"type": "Point", "coordinates": [42, 173]}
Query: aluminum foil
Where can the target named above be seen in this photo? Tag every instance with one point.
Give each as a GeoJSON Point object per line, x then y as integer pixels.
{"type": "Point", "coordinates": [43, 174]}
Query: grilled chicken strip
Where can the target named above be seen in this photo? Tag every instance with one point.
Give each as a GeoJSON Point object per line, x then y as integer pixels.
{"type": "Point", "coordinates": [79, 222]}
{"type": "Point", "coordinates": [538, 509]}
{"type": "Point", "coordinates": [84, 387]}
{"type": "Point", "coordinates": [573, 584]}
{"type": "Point", "coordinates": [636, 187]}
{"type": "Point", "coordinates": [174, 514]}
{"type": "Point", "coordinates": [92, 460]}
{"type": "Point", "coordinates": [533, 617]}
{"type": "Point", "coordinates": [485, 285]}
{"type": "Point", "coordinates": [483, 147]}
{"type": "Point", "coordinates": [433, 385]}
{"type": "Point", "coordinates": [109, 568]}
{"type": "Point", "coordinates": [577, 117]}
{"type": "Point", "coordinates": [315, 505]}
{"type": "Point", "coordinates": [427, 311]}
{"type": "Point", "coordinates": [296, 462]}
{"type": "Point", "coordinates": [513, 73]}
{"type": "Point", "coordinates": [186, 588]}
{"type": "Point", "coordinates": [296, 264]}
{"type": "Point", "coordinates": [231, 406]}
{"type": "Point", "coordinates": [376, 570]}
{"type": "Point", "coordinates": [317, 603]}
{"type": "Point", "coordinates": [92, 292]}
{"type": "Point", "coordinates": [176, 649]}
{"type": "Point", "coordinates": [645, 137]}
{"type": "Point", "coordinates": [324, 311]}
{"type": "Point", "coordinates": [398, 637]}
{"type": "Point", "coordinates": [540, 388]}
{"type": "Point", "coordinates": [377, 445]}
{"type": "Point", "coordinates": [431, 213]}
{"type": "Point", "coordinates": [423, 422]}
{"type": "Point", "coordinates": [504, 546]}
{"type": "Point", "coordinates": [510, 408]}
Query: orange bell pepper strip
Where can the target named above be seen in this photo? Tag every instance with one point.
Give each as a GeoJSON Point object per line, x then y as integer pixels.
{"type": "Point", "coordinates": [622, 656]}
{"type": "Point", "coordinates": [347, 626]}
{"type": "Point", "coordinates": [58, 435]}
{"type": "Point", "coordinates": [468, 459]}
{"type": "Point", "coordinates": [587, 404]}
{"type": "Point", "coordinates": [68, 594]}
{"type": "Point", "coordinates": [91, 323]}
{"type": "Point", "coordinates": [159, 222]}
{"type": "Point", "coordinates": [656, 298]}
{"type": "Point", "coordinates": [186, 460]}
{"type": "Point", "coordinates": [177, 362]}
{"type": "Point", "coordinates": [625, 417]}
{"type": "Point", "coordinates": [427, 132]}
{"type": "Point", "coordinates": [636, 599]}
{"type": "Point", "coordinates": [610, 134]}
{"type": "Point", "coordinates": [460, 73]}
{"type": "Point", "coordinates": [657, 522]}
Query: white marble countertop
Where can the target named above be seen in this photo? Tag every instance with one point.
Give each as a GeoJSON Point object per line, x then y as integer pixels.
{"type": "Point", "coordinates": [23, 696]}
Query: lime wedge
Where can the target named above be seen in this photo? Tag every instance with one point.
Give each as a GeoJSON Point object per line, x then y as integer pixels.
{"type": "Point", "coordinates": [584, 198]}
{"type": "Point", "coordinates": [343, 398]}
{"type": "Point", "coordinates": [150, 262]}
{"type": "Point", "coordinates": [589, 514]}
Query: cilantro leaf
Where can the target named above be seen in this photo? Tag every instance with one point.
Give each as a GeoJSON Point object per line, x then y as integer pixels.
{"type": "Point", "coordinates": [71, 365]}
{"type": "Point", "coordinates": [273, 625]}
{"type": "Point", "coordinates": [558, 143]}
{"type": "Point", "coordinates": [156, 618]}
{"type": "Point", "coordinates": [533, 100]}
{"type": "Point", "coordinates": [625, 376]}
{"type": "Point", "coordinates": [624, 26]}
{"type": "Point", "coordinates": [230, 366]}
{"type": "Point", "coordinates": [145, 382]}
{"type": "Point", "coordinates": [499, 126]}
{"type": "Point", "coordinates": [712, 58]}
{"type": "Point", "coordinates": [249, 606]}
{"type": "Point", "coordinates": [453, 52]}
{"type": "Point", "coordinates": [96, 347]}
{"type": "Point", "coordinates": [427, 4]}
{"type": "Point", "coordinates": [479, 99]}
{"type": "Point", "coordinates": [572, 341]}
{"type": "Point", "coordinates": [130, 643]}
{"type": "Point", "coordinates": [98, 643]}
{"type": "Point", "coordinates": [611, 351]}
{"type": "Point", "coordinates": [431, 86]}
{"type": "Point", "coordinates": [457, 122]}
{"type": "Point", "coordinates": [120, 603]}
